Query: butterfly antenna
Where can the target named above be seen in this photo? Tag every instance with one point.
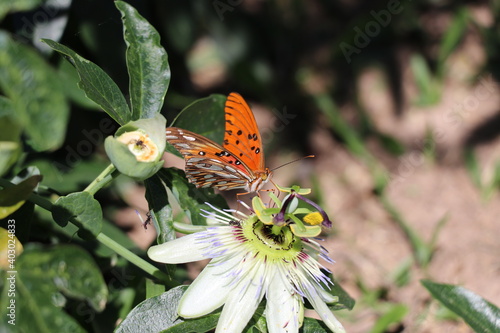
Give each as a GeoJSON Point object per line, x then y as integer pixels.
{"type": "Point", "coordinates": [298, 159]}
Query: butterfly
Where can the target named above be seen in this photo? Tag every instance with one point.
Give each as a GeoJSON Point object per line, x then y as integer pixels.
{"type": "Point", "coordinates": [238, 163]}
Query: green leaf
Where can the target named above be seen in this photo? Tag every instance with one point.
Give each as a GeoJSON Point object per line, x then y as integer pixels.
{"type": "Point", "coordinates": [204, 116]}
{"type": "Point", "coordinates": [160, 209]}
{"type": "Point", "coordinates": [9, 154]}
{"type": "Point", "coordinates": [394, 314]}
{"type": "Point", "coordinates": [451, 38]}
{"type": "Point", "coordinates": [82, 209]}
{"type": "Point", "coordinates": [190, 199]}
{"type": "Point", "coordinates": [314, 326]}
{"type": "Point", "coordinates": [202, 324]}
{"type": "Point", "coordinates": [154, 289]}
{"type": "Point", "coordinates": [13, 6]}
{"type": "Point", "coordinates": [77, 172]}
{"type": "Point", "coordinates": [391, 144]}
{"type": "Point", "coordinates": [12, 198]}
{"type": "Point", "coordinates": [6, 110]}
{"type": "Point", "coordinates": [155, 314]}
{"type": "Point", "coordinates": [45, 279]}
{"type": "Point", "coordinates": [147, 63]}
{"type": "Point", "coordinates": [68, 74]}
{"type": "Point", "coordinates": [473, 167]}
{"type": "Point", "coordinates": [429, 88]}
{"type": "Point", "coordinates": [480, 314]}
{"type": "Point", "coordinates": [353, 141]}
{"type": "Point", "coordinates": [35, 92]}
{"type": "Point", "coordinates": [98, 86]}
{"type": "Point", "coordinates": [403, 273]}
{"type": "Point", "coordinates": [422, 251]}
{"type": "Point", "coordinates": [10, 136]}
{"type": "Point", "coordinates": [345, 300]}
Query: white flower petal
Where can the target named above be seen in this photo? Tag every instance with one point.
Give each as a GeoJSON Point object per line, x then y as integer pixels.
{"type": "Point", "coordinates": [284, 309]}
{"type": "Point", "coordinates": [210, 289]}
{"type": "Point", "coordinates": [322, 309]}
{"type": "Point", "coordinates": [326, 296]}
{"type": "Point", "coordinates": [243, 300]}
{"type": "Point", "coordinates": [180, 250]}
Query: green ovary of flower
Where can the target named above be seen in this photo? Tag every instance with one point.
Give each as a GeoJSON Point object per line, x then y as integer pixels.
{"type": "Point", "coordinates": [284, 246]}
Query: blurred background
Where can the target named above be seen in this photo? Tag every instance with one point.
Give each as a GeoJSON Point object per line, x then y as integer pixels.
{"type": "Point", "coordinates": [398, 100]}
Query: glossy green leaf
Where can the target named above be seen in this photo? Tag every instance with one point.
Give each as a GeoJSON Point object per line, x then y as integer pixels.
{"type": "Point", "coordinates": [204, 116]}
{"type": "Point", "coordinates": [147, 63]}
{"type": "Point", "coordinates": [155, 314]}
{"type": "Point", "coordinates": [34, 89]}
{"type": "Point", "coordinates": [68, 74]}
{"type": "Point", "coordinates": [98, 86]}
{"type": "Point", "coordinates": [82, 209]}
{"type": "Point", "coordinates": [480, 314]}
{"type": "Point", "coordinates": [45, 279]}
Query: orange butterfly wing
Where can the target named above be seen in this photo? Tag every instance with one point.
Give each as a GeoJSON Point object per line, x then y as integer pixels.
{"type": "Point", "coordinates": [239, 163]}
{"type": "Point", "coordinates": [242, 137]}
{"type": "Point", "coordinates": [207, 163]}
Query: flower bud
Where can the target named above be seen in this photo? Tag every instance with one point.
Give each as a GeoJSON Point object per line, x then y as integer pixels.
{"type": "Point", "coordinates": [137, 147]}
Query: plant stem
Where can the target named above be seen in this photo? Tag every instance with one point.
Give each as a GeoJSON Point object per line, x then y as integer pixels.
{"type": "Point", "coordinates": [136, 260]}
{"type": "Point", "coordinates": [102, 238]}
{"type": "Point", "coordinates": [106, 176]}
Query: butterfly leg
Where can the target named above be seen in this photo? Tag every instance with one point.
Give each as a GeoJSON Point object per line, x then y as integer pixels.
{"type": "Point", "coordinates": [238, 198]}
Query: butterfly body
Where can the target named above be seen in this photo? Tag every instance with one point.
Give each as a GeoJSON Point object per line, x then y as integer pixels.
{"type": "Point", "coordinates": [239, 163]}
